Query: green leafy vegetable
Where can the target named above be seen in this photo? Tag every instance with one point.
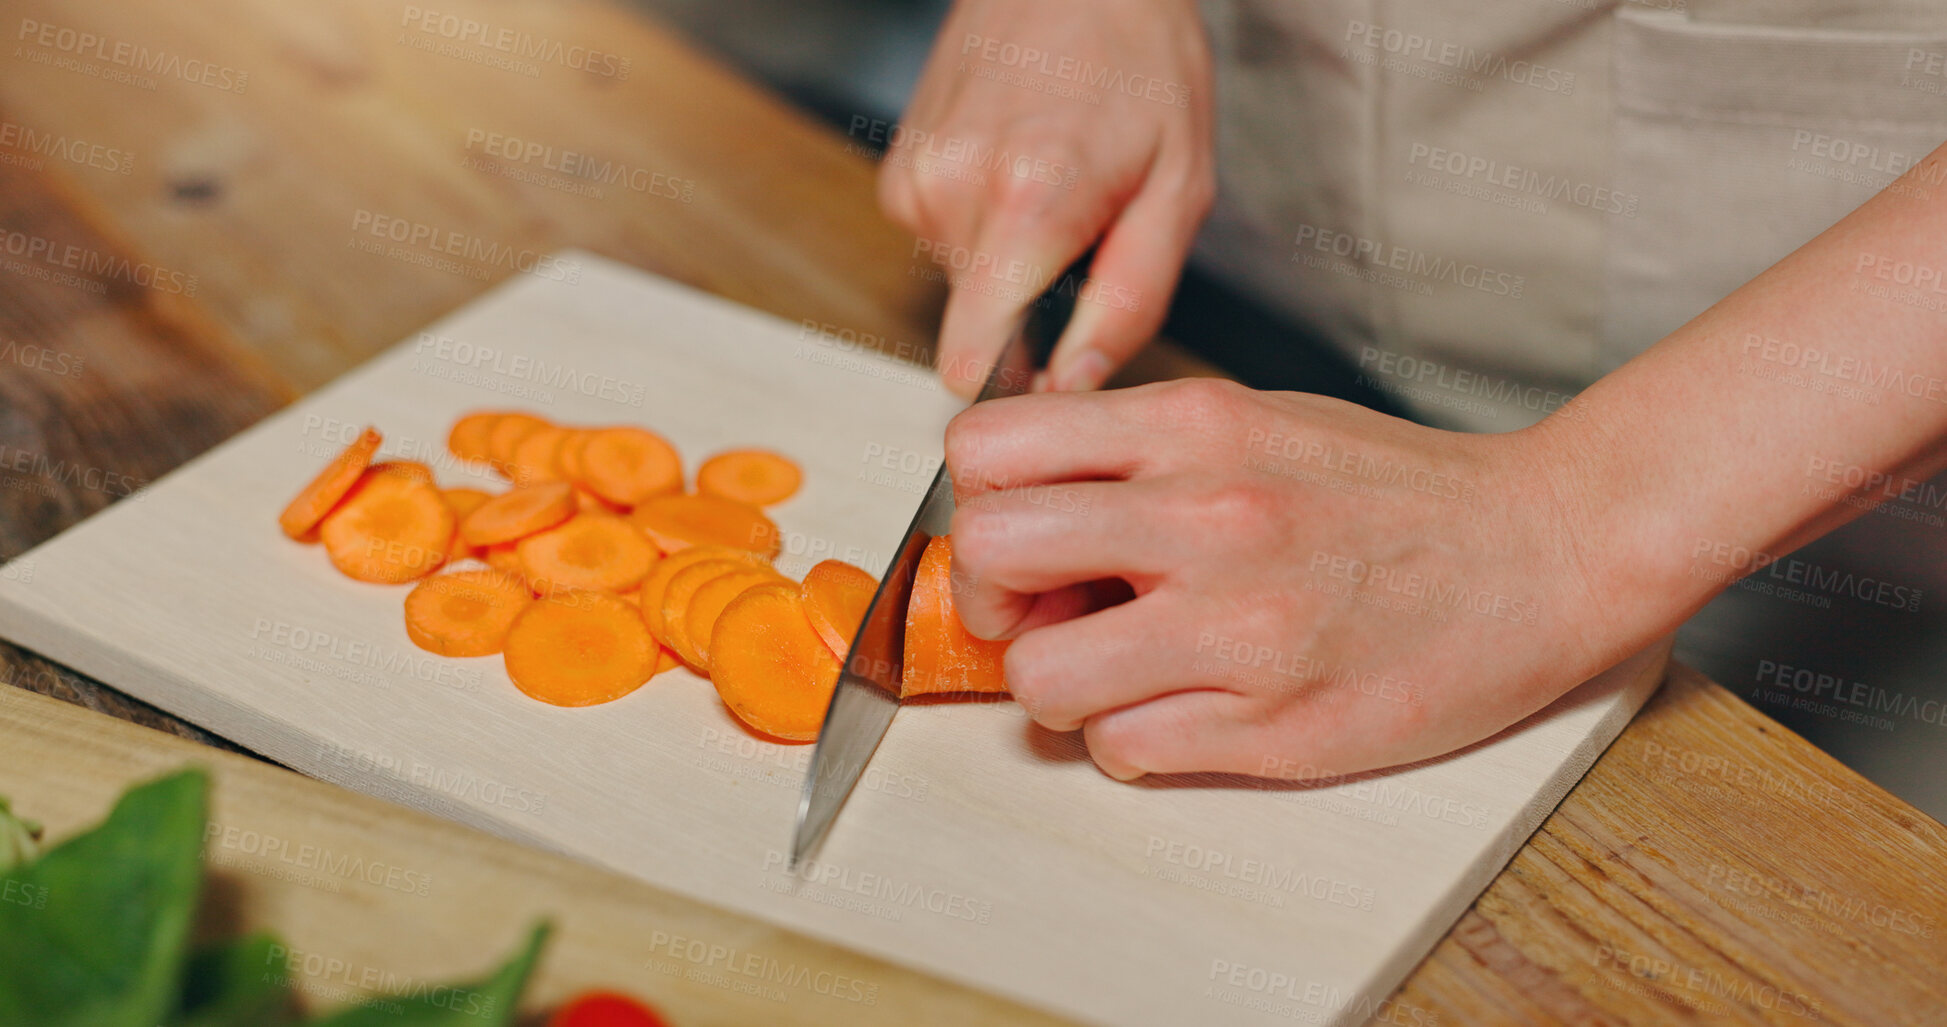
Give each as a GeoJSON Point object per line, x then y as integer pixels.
{"type": "Point", "coordinates": [94, 933]}
{"type": "Point", "coordinates": [103, 943]}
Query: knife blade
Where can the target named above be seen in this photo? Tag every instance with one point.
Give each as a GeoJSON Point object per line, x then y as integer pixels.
{"type": "Point", "coordinates": [867, 696]}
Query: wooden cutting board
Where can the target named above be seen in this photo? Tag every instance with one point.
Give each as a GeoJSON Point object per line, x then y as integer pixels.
{"type": "Point", "coordinates": [979, 848]}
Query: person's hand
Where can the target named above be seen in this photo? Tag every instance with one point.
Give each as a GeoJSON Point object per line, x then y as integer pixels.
{"type": "Point", "coordinates": [1037, 129]}
{"type": "Point", "coordinates": [1319, 589]}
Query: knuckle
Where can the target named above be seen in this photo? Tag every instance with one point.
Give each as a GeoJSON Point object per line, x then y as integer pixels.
{"type": "Point", "coordinates": [1200, 403]}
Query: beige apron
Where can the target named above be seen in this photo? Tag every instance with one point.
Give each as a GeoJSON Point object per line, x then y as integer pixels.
{"type": "Point", "coordinates": [1488, 204]}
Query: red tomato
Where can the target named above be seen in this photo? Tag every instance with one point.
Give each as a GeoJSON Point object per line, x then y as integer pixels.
{"type": "Point", "coordinates": [605, 1009]}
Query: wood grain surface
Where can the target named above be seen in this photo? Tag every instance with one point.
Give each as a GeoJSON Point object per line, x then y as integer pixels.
{"type": "Point", "coordinates": [254, 194]}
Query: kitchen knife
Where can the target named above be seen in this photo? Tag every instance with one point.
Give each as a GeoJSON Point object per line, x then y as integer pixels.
{"type": "Point", "coordinates": [867, 695]}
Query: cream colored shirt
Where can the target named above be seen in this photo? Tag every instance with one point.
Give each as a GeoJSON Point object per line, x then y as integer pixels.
{"type": "Point", "coordinates": [1489, 203]}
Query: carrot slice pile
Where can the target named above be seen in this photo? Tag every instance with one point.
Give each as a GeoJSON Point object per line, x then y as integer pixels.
{"type": "Point", "coordinates": [836, 596]}
{"type": "Point", "coordinates": [635, 575]}
{"type": "Point", "coordinates": [755, 476]}
{"type": "Point", "coordinates": [769, 665]}
{"type": "Point", "coordinates": [533, 459]}
{"type": "Point", "coordinates": [468, 439]}
{"type": "Point", "coordinates": [465, 613]}
{"type": "Point", "coordinates": [506, 434]}
{"type": "Point", "coordinates": [588, 551]}
{"type": "Point", "coordinates": [629, 465]}
{"type": "Point", "coordinates": [941, 654]}
{"type": "Point", "coordinates": [391, 529]}
{"type": "Point", "coordinates": [669, 566]}
{"type": "Point", "coordinates": [706, 605]}
{"type": "Point", "coordinates": [330, 486]}
{"type": "Point", "coordinates": [579, 649]}
{"type": "Point", "coordinates": [507, 517]}
{"type": "Point", "coordinates": [675, 523]}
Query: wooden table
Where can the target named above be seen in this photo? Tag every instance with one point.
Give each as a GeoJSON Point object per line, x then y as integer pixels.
{"type": "Point", "coordinates": [1711, 868]}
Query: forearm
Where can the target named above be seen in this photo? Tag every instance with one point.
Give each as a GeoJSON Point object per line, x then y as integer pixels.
{"type": "Point", "coordinates": [1743, 434]}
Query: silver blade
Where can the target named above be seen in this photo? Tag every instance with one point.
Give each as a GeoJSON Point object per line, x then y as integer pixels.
{"type": "Point", "coordinates": [868, 686]}
{"type": "Point", "coordinates": [867, 695]}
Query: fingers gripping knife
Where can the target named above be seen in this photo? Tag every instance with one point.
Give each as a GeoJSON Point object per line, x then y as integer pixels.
{"type": "Point", "coordinates": [867, 696]}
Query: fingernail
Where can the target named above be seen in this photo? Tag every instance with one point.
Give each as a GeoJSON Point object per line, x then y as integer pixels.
{"type": "Point", "coordinates": [1087, 371]}
{"type": "Point", "coordinates": [1123, 775]}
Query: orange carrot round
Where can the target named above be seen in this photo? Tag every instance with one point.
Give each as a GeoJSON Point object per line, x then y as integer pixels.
{"type": "Point", "coordinates": [409, 468]}
{"type": "Point", "coordinates": [755, 476]}
{"type": "Point", "coordinates": [629, 465]}
{"type": "Point", "coordinates": [533, 459]}
{"type": "Point", "coordinates": [579, 649]}
{"type": "Point", "coordinates": [588, 550]}
{"type": "Point", "coordinates": [463, 501]}
{"type": "Point", "coordinates": [506, 434]}
{"type": "Point", "coordinates": [668, 567]}
{"type": "Point", "coordinates": [941, 654]}
{"type": "Point", "coordinates": [524, 511]}
{"type": "Point", "coordinates": [567, 459]}
{"type": "Point", "coordinates": [504, 557]}
{"type": "Point", "coordinates": [676, 597]}
{"type": "Point", "coordinates": [468, 439]}
{"type": "Point", "coordinates": [666, 659]}
{"type": "Point", "coordinates": [675, 523]}
{"type": "Point", "coordinates": [465, 613]}
{"type": "Point", "coordinates": [330, 486]}
{"type": "Point", "coordinates": [769, 665]}
{"type": "Point", "coordinates": [706, 605]}
{"type": "Point", "coordinates": [836, 596]}
{"type": "Point", "coordinates": [391, 529]}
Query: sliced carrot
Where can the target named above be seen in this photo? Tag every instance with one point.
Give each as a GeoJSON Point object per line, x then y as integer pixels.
{"type": "Point", "coordinates": [463, 501]}
{"type": "Point", "coordinates": [524, 511]}
{"type": "Point", "coordinates": [409, 468]}
{"type": "Point", "coordinates": [941, 654]}
{"type": "Point", "coordinates": [588, 550]}
{"type": "Point", "coordinates": [533, 459]}
{"type": "Point", "coordinates": [706, 605]}
{"type": "Point", "coordinates": [468, 439]}
{"type": "Point", "coordinates": [667, 659]}
{"type": "Point", "coordinates": [507, 434]}
{"type": "Point", "coordinates": [836, 597]}
{"type": "Point", "coordinates": [629, 465]}
{"type": "Point", "coordinates": [769, 665]}
{"type": "Point", "coordinates": [567, 459]}
{"type": "Point", "coordinates": [668, 567]}
{"type": "Point", "coordinates": [465, 613]}
{"type": "Point", "coordinates": [676, 601]}
{"type": "Point", "coordinates": [392, 528]}
{"type": "Point", "coordinates": [330, 486]}
{"type": "Point", "coordinates": [675, 523]}
{"type": "Point", "coordinates": [755, 476]}
{"type": "Point", "coordinates": [579, 649]}
{"type": "Point", "coordinates": [504, 557]}
{"type": "Point", "coordinates": [589, 502]}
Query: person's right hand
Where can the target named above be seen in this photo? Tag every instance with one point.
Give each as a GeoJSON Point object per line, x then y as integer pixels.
{"type": "Point", "coordinates": [1044, 172]}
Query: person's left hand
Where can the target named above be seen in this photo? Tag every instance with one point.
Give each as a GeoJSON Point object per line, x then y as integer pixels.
{"type": "Point", "coordinates": [1319, 589]}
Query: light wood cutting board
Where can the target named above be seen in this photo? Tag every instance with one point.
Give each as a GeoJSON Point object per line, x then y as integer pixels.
{"type": "Point", "coordinates": [979, 848]}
